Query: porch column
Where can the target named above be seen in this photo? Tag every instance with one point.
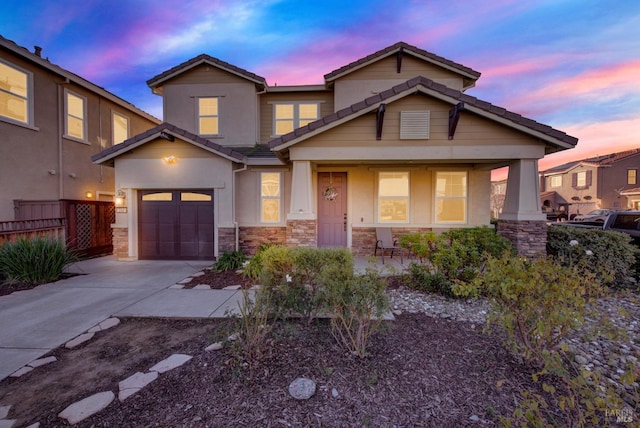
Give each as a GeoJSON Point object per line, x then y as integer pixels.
{"type": "Point", "coordinates": [522, 220]}
{"type": "Point", "coordinates": [301, 219]}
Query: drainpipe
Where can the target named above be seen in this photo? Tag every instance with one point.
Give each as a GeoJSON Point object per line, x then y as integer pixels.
{"type": "Point", "coordinates": [60, 132]}
{"type": "Point", "coordinates": [233, 204]}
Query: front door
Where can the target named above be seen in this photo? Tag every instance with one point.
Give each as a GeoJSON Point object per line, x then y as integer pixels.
{"type": "Point", "coordinates": [332, 209]}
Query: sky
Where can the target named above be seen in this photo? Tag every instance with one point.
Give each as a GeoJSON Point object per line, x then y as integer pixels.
{"type": "Point", "coordinates": [570, 64]}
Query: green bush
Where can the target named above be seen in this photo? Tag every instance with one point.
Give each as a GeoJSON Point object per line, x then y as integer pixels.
{"type": "Point", "coordinates": [254, 267]}
{"type": "Point", "coordinates": [454, 256]}
{"type": "Point", "coordinates": [229, 260]}
{"type": "Point", "coordinates": [34, 261]}
{"type": "Point", "coordinates": [609, 255]}
{"type": "Point", "coordinates": [357, 306]}
{"type": "Point", "coordinates": [297, 275]}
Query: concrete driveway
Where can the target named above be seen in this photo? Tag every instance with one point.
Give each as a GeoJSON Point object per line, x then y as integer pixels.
{"type": "Point", "coordinates": [36, 321]}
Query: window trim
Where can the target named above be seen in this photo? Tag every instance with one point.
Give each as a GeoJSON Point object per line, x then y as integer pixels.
{"type": "Point", "coordinates": [200, 116]}
{"type": "Point", "coordinates": [84, 138]}
{"type": "Point", "coordinates": [558, 176]}
{"type": "Point", "coordinates": [29, 98]}
{"type": "Point", "coordinates": [379, 198]}
{"type": "Point", "coordinates": [436, 198]}
{"type": "Point", "coordinates": [262, 197]}
{"type": "Point", "coordinates": [635, 175]}
{"type": "Point", "coordinates": [296, 114]}
{"type": "Point", "coordinates": [113, 127]}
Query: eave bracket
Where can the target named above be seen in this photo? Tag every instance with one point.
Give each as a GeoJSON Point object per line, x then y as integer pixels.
{"type": "Point", "coordinates": [380, 120]}
{"type": "Point", "coordinates": [454, 116]}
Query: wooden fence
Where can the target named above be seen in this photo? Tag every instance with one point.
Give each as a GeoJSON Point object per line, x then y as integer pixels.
{"type": "Point", "coordinates": [14, 230]}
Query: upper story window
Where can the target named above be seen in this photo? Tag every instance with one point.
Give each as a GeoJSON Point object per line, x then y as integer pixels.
{"type": "Point", "coordinates": [393, 197]}
{"type": "Point", "coordinates": [270, 197]}
{"type": "Point", "coordinates": [76, 114]}
{"type": "Point", "coordinates": [581, 180]}
{"type": "Point", "coordinates": [120, 128]}
{"type": "Point", "coordinates": [451, 197]}
{"type": "Point", "coordinates": [290, 116]}
{"type": "Point", "coordinates": [208, 116]}
{"type": "Point", "coordinates": [632, 176]}
{"type": "Point", "coordinates": [555, 181]}
{"type": "Point", "coordinates": [16, 95]}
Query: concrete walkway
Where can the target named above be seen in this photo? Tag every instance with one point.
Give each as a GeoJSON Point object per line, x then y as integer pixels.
{"type": "Point", "coordinates": [34, 322]}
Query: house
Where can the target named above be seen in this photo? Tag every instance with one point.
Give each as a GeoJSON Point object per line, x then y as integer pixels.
{"type": "Point", "coordinates": [51, 122]}
{"type": "Point", "coordinates": [608, 181]}
{"type": "Point", "coordinates": [391, 139]}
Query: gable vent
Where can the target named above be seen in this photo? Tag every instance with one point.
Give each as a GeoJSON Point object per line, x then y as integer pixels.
{"type": "Point", "coordinates": [414, 125]}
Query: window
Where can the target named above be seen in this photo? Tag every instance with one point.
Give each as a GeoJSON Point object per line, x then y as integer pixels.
{"type": "Point", "coordinates": [632, 176]}
{"type": "Point", "coordinates": [556, 180]}
{"type": "Point", "coordinates": [120, 128]}
{"type": "Point", "coordinates": [15, 93]}
{"type": "Point", "coordinates": [208, 117]}
{"type": "Point", "coordinates": [451, 197]}
{"type": "Point", "coordinates": [581, 180]}
{"type": "Point", "coordinates": [270, 197]}
{"type": "Point", "coordinates": [160, 196]}
{"type": "Point", "coordinates": [393, 197]}
{"type": "Point", "coordinates": [290, 116]}
{"type": "Point", "coordinates": [76, 113]}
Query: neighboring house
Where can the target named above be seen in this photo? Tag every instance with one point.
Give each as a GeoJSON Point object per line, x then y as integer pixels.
{"type": "Point", "coordinates": [607, 181]}
{"type": "Point", "coordinates": [390, 140]}
{"type": "Point", "coordinates": [498, 194]}
{"type": "Point", "coordinates": [51, 123]}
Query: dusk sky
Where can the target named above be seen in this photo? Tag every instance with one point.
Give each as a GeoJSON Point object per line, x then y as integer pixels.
{"type": "Point", "coordinates": [571, 64]}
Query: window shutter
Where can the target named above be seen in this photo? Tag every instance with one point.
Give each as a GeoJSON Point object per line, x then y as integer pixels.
{"type": "Point", "coordinates": [574, 180]}
{"type": "Point", "coordinates": [414, 125]}
{"type": "Point", "coordinates": [588, 180]}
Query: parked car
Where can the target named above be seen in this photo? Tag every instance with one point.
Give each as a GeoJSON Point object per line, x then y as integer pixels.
{"type": "Point", "coordinates": [595, 215]}
{"type": "Point", "coordinates": [622, 221]}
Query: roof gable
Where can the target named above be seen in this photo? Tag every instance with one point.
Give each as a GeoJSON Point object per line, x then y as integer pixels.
{"type": "Point", "coordinates": [469, 75]}
{"type": "Point", "coordinates": [155, 82]}
{"type": "Point", "coordinates": [602, 160]}
{"type": "Point", "coordinates": [167, 131]}
{"type": "Point", "coordinates": [556, 138]}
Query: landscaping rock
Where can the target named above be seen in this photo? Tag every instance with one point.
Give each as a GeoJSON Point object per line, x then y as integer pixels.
{"type": "Point", "coordinates": [202, 287]}
{"type": "Point", "coordinates": [178, 286]}
{"type": "Point", "coordinates": [175, 360]}
{"type": "Point", "coordinates": [232, 287]}
{"type": "Point", "coordinates": [197, 274]}
{"type": "Point", "coordinates": [135, 383]}
{"type": "Point", "coordinates": [42, 362]}
{"type": "Point", "coordinates": [79, 340]}
{"type": "Point", "coordinates": [104, 325]}
{"type": "Point", "coordinates": [22, 371]}
{"type": "Point", "coordinates": [214, 347]}
{"type": "Point", "coordinates": [185, 281]}
{"type": "Point", "coordinates": [4, 411]}
{"type": "Point", "coordinates": [302, 388]}
{"type": "Point", "coordinates": [7, 423]}
{"type": "Point", "coordinates": [89, 406]}
{"type": "Point", "coordinates": [334, 393]}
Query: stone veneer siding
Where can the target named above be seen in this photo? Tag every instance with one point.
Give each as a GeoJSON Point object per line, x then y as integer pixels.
{"type": "Point", "coordinates": [120, 242]}
{"type": "Point", "coordinates": [226, 239]}
{"type": "Point", "coordinates": [302, 233]}
{"type": "Point", "coordinates": [529, 237]}
{"type": "Point", "coordinates": [363, 239]}
{"type": "Point", "coordinates": [251, 237]}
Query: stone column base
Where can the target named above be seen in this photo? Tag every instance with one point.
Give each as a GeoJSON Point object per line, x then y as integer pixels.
{"type": "Point", "coordinates": [529, 237]}
{"type": "Point", "coordinates": [120, 242]}
{"type": "Point", "coordinates": [302, 233]}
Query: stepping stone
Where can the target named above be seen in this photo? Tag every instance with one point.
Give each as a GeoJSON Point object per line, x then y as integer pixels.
{"type": "Point", "coordinates": [42, 362]}
{"type": "Point", "coordinates": [176, 360]}
{"type": "Point", "coordinates": [36, 425]}
{"type": "Point", "coordinates": [302, 388]}
{"type": "Point", "coordinates": [232, 287]}
{"type": "Point", "coordinates": [22, 371]}
{"type": "Point", "coordinates": [135, 383]}
{"type": "Point", "coordinates": [4, 412]}
{"type": "Point", "coordinates": [178, 286]}
{"type": "Point", "coordinates": [184, 281]}
{"type": "Point", "coordinates": [197, 274]}
{"type": "Point", "coordinates": [89, 406]}
{"type": "Point", "coordinates": [214, 347]}
{"type": "Point", "coordinates": [7, 423]}
{"type": "Point", "coordinates": [78, 340]}
{"type": "Point", "coordinates": [104, 325]}
{"type": "Point", "coordinates": [233, 337]}
{"type": "Point", "coordinates": [202, 287]}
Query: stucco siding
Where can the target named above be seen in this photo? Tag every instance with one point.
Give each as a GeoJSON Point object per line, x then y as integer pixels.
{"type": "Point", "coordinates": [248, 197]}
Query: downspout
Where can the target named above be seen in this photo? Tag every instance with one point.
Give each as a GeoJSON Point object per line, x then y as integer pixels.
{"type": "Point", "coordinates": [100, 139]}
{"type": "Point", "coordinates": [60, 141]}
{"type": "Point", "coordinates": [233, 204]}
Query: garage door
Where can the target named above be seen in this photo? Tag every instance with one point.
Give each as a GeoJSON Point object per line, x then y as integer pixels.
{"type": "Point", "coordinates": [175, 224]}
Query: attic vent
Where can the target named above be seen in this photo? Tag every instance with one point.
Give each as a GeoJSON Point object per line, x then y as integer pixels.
{"type": "Point", "coordinates": [414, 125]}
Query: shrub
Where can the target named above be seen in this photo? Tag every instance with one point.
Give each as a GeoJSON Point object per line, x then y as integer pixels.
{"type": "Point", "coordinates": [253, 327]}
{"type": "Point", "coordinates": [357, 306]}
{"type": "Point", "coordinates": [454, 256]}
{"type": "Point", "coordinates": [34, 261]}
{"type": "Point", "coordinates": [296, 276]}
{"type": "Point", "coordinates": [230, 260]}
{"type": "Point", "coordinates": [609, 255]}
{"type": "Point", "coordinates": [253, 268]}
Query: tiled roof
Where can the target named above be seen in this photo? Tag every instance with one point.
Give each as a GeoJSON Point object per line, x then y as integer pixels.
{"type": "Point", "coordinates": [118, 149]}
{"type": "Point", "coordinates": [634, 191]}
{"type": "Point", "coordinates": [45, 63]}
{"type": "Point", "coordinates": [204, 58]}
{"type": "Point", "coordinates": [257, 151]}
{"type": "Point", "coordinates": [411, 86]}
{"type": "Point", "coordinates": [407, 48]}
{"type": "Point", "coordinates": [601, 160]}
